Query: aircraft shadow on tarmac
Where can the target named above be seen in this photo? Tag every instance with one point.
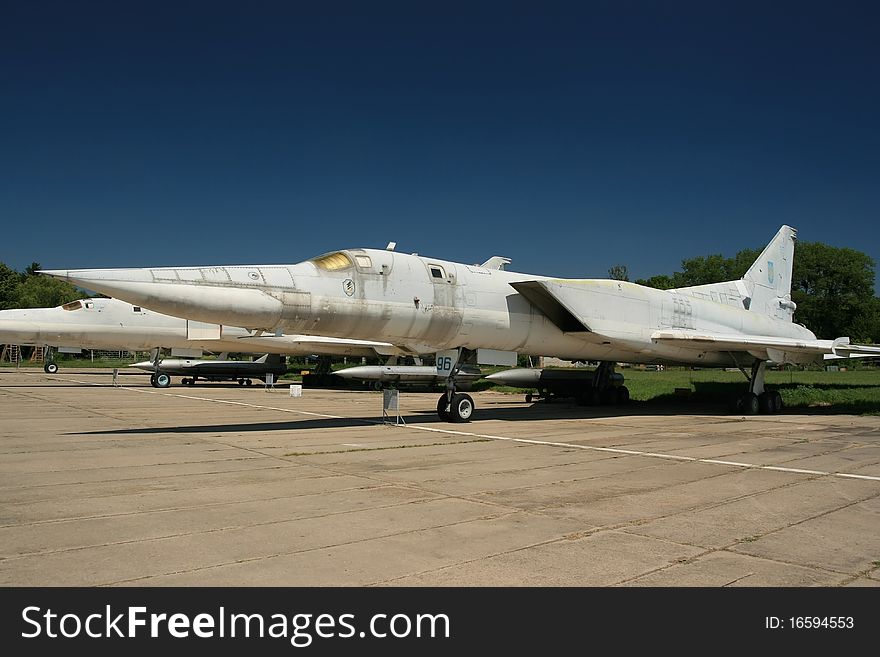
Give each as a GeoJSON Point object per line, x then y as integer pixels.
{"type": "Point", "coordinates": [559, 410]}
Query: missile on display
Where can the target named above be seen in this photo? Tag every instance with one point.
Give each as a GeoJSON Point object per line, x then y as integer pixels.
{"type": "Point", "coordinates": [585, 385]}
{"type": "Point", "coordinates": [193, 369]}
{"type": "Point", "coordinates": [380, 376]}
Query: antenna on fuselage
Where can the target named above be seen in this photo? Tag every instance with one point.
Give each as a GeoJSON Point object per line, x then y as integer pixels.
{"type": "Point", "coordinates": [391, 246]}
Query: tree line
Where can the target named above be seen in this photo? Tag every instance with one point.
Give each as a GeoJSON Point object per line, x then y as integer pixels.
{"type": "Point", "coordinates": [833, 287]}
{"type": "Point", "coordinates": [28, 289]}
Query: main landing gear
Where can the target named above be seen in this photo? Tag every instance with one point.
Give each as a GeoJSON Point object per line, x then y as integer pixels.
{"type": "Point", "coordinates": [454, 406]}
{"type": "Point", "coordinates": [757, 399]}
{"type": "Point", "coordinates": [457, 408]}
{"type": "Point", "coordinates": [605, 388]}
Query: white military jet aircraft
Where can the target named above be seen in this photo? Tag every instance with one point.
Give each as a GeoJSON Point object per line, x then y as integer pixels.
{"type": "Point", "coordinates": [114, 324]}
{"type": "Point", "coordinates": [481, 315]}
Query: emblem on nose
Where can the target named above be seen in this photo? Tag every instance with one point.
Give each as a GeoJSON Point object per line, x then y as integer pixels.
{"type": "Point", "coordinates": [348, 286]}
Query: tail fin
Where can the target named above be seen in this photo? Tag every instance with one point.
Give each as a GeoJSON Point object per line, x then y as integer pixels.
{"type": "Point", "coordinates": [768, 280]}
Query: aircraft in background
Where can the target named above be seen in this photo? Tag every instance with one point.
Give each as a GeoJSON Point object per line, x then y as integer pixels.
{"type": "Point", "coordinates": [113, 324]}
{"type": "Point", "coordinates": [470, 314]}
{"type": "Point", "coordinates": [192, 369]}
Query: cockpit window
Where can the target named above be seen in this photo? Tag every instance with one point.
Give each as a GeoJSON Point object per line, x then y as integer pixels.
{"type": "Point", "coordinates": [73, 305]}
{"type": "Point", "coordinates": [363, 261]}
{"type": "Point", "coordinates": [333, 261]}
{"type": "Point", "coordinates": [437, 271]}
{"type": "Point", "coordinates": [136, 309]}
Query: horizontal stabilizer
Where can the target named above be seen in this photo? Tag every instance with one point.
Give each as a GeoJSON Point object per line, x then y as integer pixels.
{"type": "Point", "coordinates": [770, 347]}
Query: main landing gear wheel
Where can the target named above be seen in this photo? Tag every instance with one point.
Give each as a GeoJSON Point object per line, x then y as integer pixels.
{"type": "Point", "coordinates": [153, 380]}
{"type": "Point", "coordinates": [443, 408]}
{"type": "Point", "coordinates": [757, 400]}
{"type": "Point", "coordinates": [770, 402]}
{"type": "Point", "coordinates": [462, 408]}
{"type": "Point", "coordinates": [377, 385]}
{"type": "Point", "coordinates": [529, 398]}
{"type": "Point", "coordinates": [777, 401]}
{"type": "Point", "coordinates": [162, 380]}
{"type": "Point", "coordinates": [749, 404]}
{"type": "Point", "coordinates": [50, 367]}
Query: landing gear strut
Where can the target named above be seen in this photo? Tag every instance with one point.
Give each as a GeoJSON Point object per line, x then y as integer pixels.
{"type": "Point", "coordinates": [454, 406]}
{"type": "Point", "coordinates": [49, 366]}
{"type": "Point", "coordinates": [757, 399]}
{"type": "Point", "coordinates": [604, 389]}
{"type": "Point", "coordinates": [158, 379]}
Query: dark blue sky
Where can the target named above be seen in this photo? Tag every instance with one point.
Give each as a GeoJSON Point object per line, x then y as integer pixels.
{"type": "Point", "coordinates": [567, 136]}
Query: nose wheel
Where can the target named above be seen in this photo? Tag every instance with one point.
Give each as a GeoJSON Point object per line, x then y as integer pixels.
{"type": "Point", "coordinates": [160, 380]}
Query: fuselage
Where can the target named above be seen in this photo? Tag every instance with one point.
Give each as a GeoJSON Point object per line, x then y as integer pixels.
{"type": "Point", "coordinates": [426, 305]}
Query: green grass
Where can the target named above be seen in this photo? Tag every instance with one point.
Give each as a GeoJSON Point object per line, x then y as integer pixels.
{"type": "Point", "coordinates": [851, 391]}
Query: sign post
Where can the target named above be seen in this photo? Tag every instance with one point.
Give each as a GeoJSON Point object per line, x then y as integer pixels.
{"type": "Point", "coordinates": [391, 403]}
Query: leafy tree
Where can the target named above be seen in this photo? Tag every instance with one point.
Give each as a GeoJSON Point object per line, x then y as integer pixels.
{"type": "Point", "coordinates": [866, 328]}
{"type": "Point", "coordinates": [661, 282]}
{"type": "Point", "coordinates": [9, 282]}
{"type": "Point", "coordinates": [834, 290]}
{"type": "Point", "coordinates": [45, 292]}
{"type": "Point", "coordinates": [715, 268]}
{"type": "Point", "coordinates": [618, 273]}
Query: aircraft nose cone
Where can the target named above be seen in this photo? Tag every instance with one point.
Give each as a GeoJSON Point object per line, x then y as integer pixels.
{"type": "Point", "coordinates": [167, 290]}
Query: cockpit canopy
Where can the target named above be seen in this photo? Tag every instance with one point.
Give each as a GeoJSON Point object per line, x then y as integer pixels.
{"type": "Point", "coordinates": [366, 261]}
{"type": "Point", "coordinates": [333, 261]}
{"type": "Point", "coordinates": [73, 305]}
{"type": "Point", "coordinates": [79, 304]}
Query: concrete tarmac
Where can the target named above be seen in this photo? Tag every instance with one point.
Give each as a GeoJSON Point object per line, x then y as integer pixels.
{"type": "Point", "coordinates": [218, 485]}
